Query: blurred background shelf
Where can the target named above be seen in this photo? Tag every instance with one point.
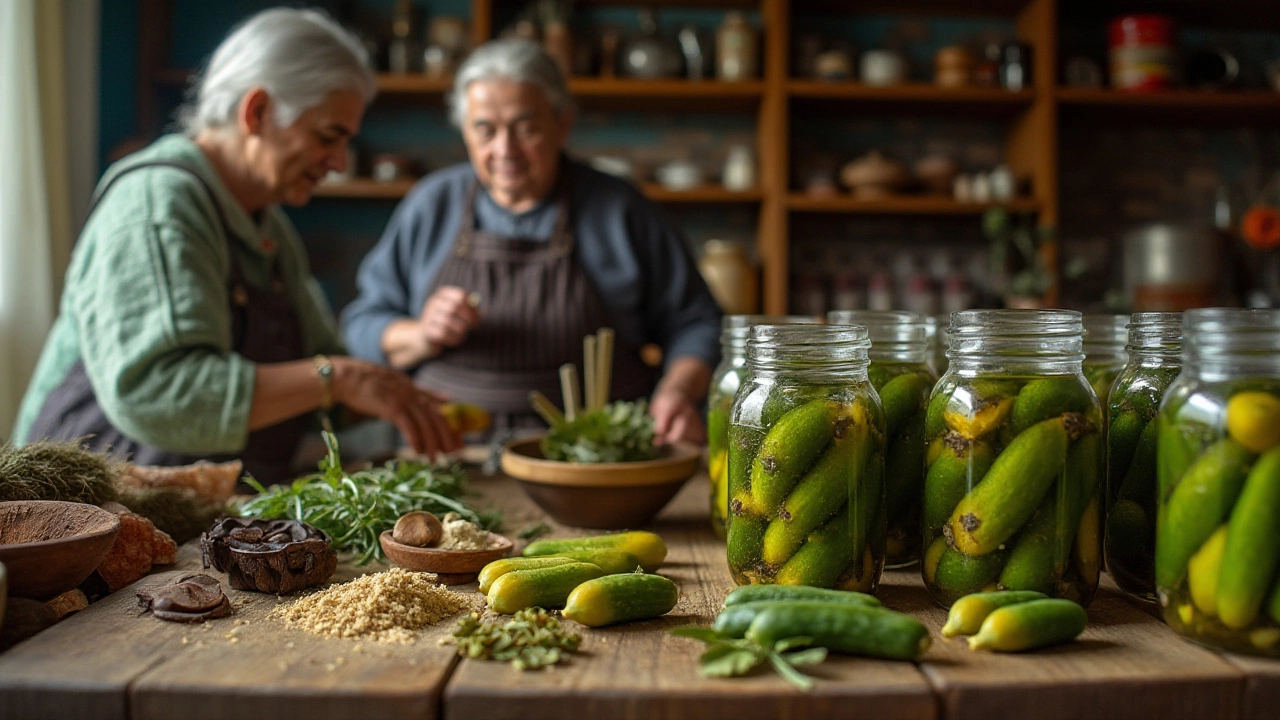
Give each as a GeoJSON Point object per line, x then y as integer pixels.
{"type": "Point", "coordinates": [370, 189]}
{"type": "Point", "coordinates": [903, 205]}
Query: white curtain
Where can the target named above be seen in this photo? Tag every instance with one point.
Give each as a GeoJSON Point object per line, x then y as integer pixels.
{"type": "Point", "coordinates": [35, 210]}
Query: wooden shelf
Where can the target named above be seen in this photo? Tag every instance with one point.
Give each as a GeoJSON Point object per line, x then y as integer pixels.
{"type": "Point", "coordinates": [369, 189]}
{"type": "Point", "coordinates": [910, 96]}
{"type": "Point", "coordinates": [672, 88]}
{"type": "Point", "coordinates": [413, 83]}
{"type": "Point", "coordinates": [1194, 105]}
{"type": "Point", "coordinates": [902, 205]}
{"type": "Point", "coordinates": [365, 188]}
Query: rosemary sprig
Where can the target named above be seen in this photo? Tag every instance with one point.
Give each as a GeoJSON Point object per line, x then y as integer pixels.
{"type": "Point", "coordinates": [355, 508]}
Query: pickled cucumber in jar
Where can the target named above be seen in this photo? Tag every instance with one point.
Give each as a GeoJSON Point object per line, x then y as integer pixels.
{"type": "Point", "coordinates": [1217, 548]}
{"type": "Point", "coordinates": [725, 381]}
{"type": "Point", "coordinates": [1104, 351]}
{"type": "Point", "coordinates": [901, 375]}
{"type": "Point", "coordinates": [1155, 359]}
{"type": "Point", "coordinates": [806, 461]}
{"type": "Point", "coordinates": [1013, 493]}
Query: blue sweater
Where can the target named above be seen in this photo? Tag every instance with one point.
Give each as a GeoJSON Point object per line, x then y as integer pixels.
{"type": "Point", "coordinates": [634, 256]}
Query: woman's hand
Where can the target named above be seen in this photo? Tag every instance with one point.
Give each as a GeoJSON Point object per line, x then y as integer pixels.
{"type": "Point", "coordinates": [381, 392]}
{"type": "Point", "coordinates": [676, 418]}
{"type": "Point", "coordinates": [448, 316]}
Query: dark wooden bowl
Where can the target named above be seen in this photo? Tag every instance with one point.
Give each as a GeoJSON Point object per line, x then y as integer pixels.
{"type": "Point", "coordinates": [49, 547]}
{"type": "Point", "coordinates": [452, 567]}
{"type": "Point", "coordinates": [600, 496]}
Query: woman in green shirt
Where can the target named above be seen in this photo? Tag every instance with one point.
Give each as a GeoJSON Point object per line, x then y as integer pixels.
{"type": "Point", "coordinates": [190, 326]}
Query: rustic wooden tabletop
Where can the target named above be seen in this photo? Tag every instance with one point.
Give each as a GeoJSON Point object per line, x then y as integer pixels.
{"type": "Point", "coordinates": [110, 662]}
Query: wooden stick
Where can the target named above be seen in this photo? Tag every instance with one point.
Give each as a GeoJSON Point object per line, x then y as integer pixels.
{"type": "Point", "coordinates": [546, 409]}
{"type": "Point", "coordinates": [589, 371]}
{"type": "Point", "coordinates": [604, 365]}
{"type": "Point", "coordinates": [569, 389]}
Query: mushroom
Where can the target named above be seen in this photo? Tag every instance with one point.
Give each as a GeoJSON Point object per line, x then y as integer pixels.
{"type": "Point", "coordinates": [418, 529]}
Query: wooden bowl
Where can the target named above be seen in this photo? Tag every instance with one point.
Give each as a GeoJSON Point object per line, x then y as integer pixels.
{"type": "Point", "coordinates": [49, 547]}
{"type": "Point", "coordinates": [600, 496]}
{"type": "Point", "coordinates": [452, 567]}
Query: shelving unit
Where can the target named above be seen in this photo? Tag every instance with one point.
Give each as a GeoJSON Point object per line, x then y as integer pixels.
{"type": "Point", "coordinates": [1030, 118]}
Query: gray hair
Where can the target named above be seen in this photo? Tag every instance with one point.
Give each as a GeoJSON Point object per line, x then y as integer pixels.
{"type": "Point", "coordinates": [297, 56]}
{"type": "Point", "coordinates": [517, 60]}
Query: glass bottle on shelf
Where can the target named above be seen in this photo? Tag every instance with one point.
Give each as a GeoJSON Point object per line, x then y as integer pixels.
{"type": "Point", "coordinates": [736, 49]}
{"type": "Point", "coordinates": [402, 52]}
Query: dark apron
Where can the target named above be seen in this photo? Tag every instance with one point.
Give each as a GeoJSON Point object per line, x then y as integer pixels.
{"type": "Point", "coordinates": [264, 329]}
{"type": "Point", "coordinates": [537, 306]}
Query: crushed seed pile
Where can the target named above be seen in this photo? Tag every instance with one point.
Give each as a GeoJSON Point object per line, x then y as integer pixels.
{"type": "Point", "coordinates": [462, 535]}
{"type": "Point", "coordinates": [386, 607]}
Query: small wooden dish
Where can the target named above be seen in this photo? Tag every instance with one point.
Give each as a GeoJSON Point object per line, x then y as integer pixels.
{"type": "Point", "coordinates": [452, 567]}
{"type": "Point", "coordinates": [50, 547]}
{"type": "Point", "coordinates": [601, 496]}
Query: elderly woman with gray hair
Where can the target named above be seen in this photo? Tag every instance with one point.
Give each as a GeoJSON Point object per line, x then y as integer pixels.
{"type": "Point", "coordinates": [190, 324]}
{"type": "Point", "coordinates": [492, 271]}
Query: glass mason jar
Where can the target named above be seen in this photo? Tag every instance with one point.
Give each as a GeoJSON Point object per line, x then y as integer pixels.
{"type": "Point", "coordinates": [1155, 359]}
{"type": "Point", "coordinates": [1012, 496]}
{"type": "Point", "coordinates": [901, 375]}
{"type": "Point", "coordinates": [806, 461]}
{"type": "Point", "coordinates": [725, 381]}
{"type": "Point", "coordinates": [938, 343]}
{"type": "Point", "coordinates": [1218, 483]}
{"type": "Point", "coordinates": [1104, 356]}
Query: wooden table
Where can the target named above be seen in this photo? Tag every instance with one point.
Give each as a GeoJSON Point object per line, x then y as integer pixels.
{"type": "Point", "coordinates": [109, 662]}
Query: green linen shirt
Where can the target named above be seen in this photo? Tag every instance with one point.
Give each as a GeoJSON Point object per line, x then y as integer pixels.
{"type": "Point", "coordinates": [146, 305]}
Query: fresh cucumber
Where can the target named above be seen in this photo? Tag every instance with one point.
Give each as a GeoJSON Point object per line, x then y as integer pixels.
{"type": "Point", "coordinates": [498, 568]}
{"type": "Point", "coordinates": [546, 587]}
{"type": "Point", "coordinates": [611, 560]}
{"type": "Point", "coordinates": [967, 613]}
{"type": "Point", "coordinates": [648, 548]}
{"type": "Point", "coordinates": [1029, 625]}
{"type": "Point", "coordinates": [850, 629]}
{"type": "Point", "coordinates": [621, 598]}
{"type": "Point", "coordinates": [761, 593]}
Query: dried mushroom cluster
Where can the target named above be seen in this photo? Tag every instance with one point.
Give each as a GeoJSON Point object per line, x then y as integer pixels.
{"type": "Point", "coordinates": [274, 556]}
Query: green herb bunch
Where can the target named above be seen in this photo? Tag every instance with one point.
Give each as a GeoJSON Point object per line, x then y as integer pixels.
{"type": "Point", "coordinates": [727, 657]}
{"type": "Point", "coordinates": [619, 432]}
{"type": "Point", "coordinates": [355, 508]}
{"type": "Point", "coordinates": [532, 639]}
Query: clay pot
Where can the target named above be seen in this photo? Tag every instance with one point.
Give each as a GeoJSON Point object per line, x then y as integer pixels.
{"type": "Point", "coordinates": [874, 176]}
{"type": "Point", "coordinates": [936, 173]}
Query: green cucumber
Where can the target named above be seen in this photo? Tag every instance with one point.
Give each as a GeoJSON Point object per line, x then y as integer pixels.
{"type": "Point", "coordinates": [744, 540]}
{"type": "Point", "coordinates": [611, 560]}
{"type": "Point", "coordinates": [621, 598]}
{"type": "Point", "coordinates": [818, 495]}
{"type": "Point", "coordinates": [1012, 490]}
{"type": "Point", "coordinates": [1029, 625]}
{"type": "Point", "coordinates": [1123, 431]}
{"type": "Point", "coordinates": [646, 546]}
{"type": "Point", "coordinates": [1253, 545]}
{"type": "Point", "coordinates": [824, 556]}
{"type": "Point", "coordinates": [1174, 455]}
{"type": "Point", "coordinates": [498, 568]}
{"type": "Point", "coordinates": [546, 587]}
{"type": "Point", "coordinates": [1130, 547]}
{"type": "Point", "coordinates": [1032, 562]}
{"type": "Point", "coordinates": [903, 397]}
{"type": "Point", "coordinates": [744, 443]}
{"type": "Point", "coordinates": [765, 593]}
{"type": "Point", "coordinates": [968, 613]}
{"type": "Point", "coordinates": [960, 465]}
{"type": "Point", "coordinates": [1047, 397]}
{"type": "Point", "coordinates": [957, 574]}
{"type": "Point", "coordinates": [1200, 502]}
{"type": "Point", "coordinates": [1138, 483]}
{"type": "Point", "coordinates": [1203, 571]}
{"type": "Point", "coordinates": [903, 476]}
{"type": "Point", "coordinates": [791, 446]}
{"type": "Point", "coordinates": [850, 629]}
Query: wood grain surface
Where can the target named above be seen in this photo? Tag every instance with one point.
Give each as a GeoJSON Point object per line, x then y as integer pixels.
{"type": "Point", "coordinates": [113, 662]}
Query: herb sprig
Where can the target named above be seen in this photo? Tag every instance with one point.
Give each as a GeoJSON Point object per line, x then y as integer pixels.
{"type": "Point", "coordinates": [728, 657]}
{"type": "Point", "coordinates": [355, 508]}
{"type": "Point", "coordinates": [619, 432]}
{"type": "Point", "coordinates": [532, 639]}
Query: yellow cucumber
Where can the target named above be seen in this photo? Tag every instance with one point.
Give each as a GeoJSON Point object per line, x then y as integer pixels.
{"type": "Point", "coordinates": [1088, 547]}
{"type": "Point", "coordinates": [1012, 490]}
{"type": "Point", "coordinates": [498, 568]}
{"type": "Point", "coordinates": [863, 575]}
{"type": "Point", "coordinates": [1197, 506]}
{"type": "Point", "coordinates": [546, 587]}
{"type": "Point", "coordinates": [621, 598]}
{"type": "Point", "coordinates": [1252, 553]}
{"type": "Point", "coordinates": [978, 421]}
{"type": "Point", "coordinates": [792, 445]}
{"type": "Point", "coordinates": [1029, 625]}
{"type": "Point", "coordinates": [1203, 570]}
{"type": "Point", "coordinates": [967, 613]}
{"type": "Point", "coordinates": [819, 494]}
{"type": "Point", "coordinates": [646, 546]}
{"type": "Point", "coordinates": [1253, 420]}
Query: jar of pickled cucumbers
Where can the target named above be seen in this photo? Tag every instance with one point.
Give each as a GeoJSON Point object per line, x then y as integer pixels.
{"type": "Point", "coordinates": [1217, 560]}
{"type": "Point", "coordinates": [1013, 486]}
{"type": "Point", "coordinates": [806, 461]}
{"type": "Point", "coordinates": [901, 375]}
{"type": "Point", "coordinates": [725, 381]}
{"type": "Point", "coordinates": [938, 343]}
{"type": "Point", "coordinates": [1105, 337]}
{"type": "Point", "coordinates": [1155, 359]}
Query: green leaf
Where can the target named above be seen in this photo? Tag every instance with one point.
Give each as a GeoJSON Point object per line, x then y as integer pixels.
{"type": "Point", "coordinates": [797, 679]}
{"type": "Point", "coordinates": [697, 632]}
{"type": "Point", "coordinates": [812, 656]}
{"type": "Point", "coordinates": [791, 643]}
{"type": "Point", "coordinates": [729, 661]}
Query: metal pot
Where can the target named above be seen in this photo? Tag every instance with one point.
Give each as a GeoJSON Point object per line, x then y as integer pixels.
{"type": "Point", "coordinates": [1169, 267]}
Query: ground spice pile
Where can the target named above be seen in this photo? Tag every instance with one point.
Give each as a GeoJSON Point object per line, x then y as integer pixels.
{"type": "Point", "coordinates": [462, 535]}
{"type": "Point", "coordinates": [386, 607]}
